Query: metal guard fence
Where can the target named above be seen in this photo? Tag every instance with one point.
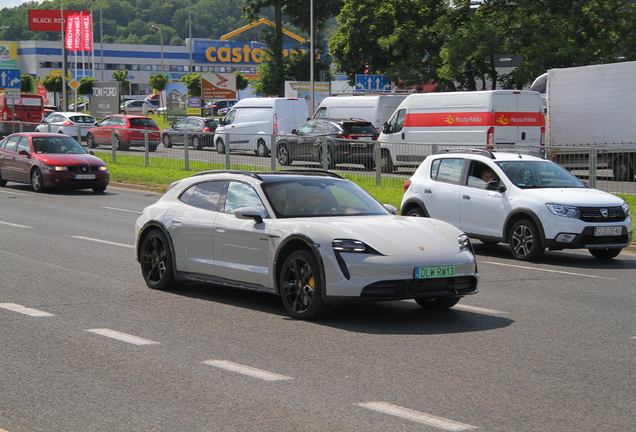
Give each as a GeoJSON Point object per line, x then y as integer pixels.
{"type": "Point", "coordinates": [608, 168]}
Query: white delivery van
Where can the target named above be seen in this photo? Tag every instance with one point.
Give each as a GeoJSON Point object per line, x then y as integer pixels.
{"type": "Point", "coordinates": [374, 109]}
{"type": "Point", "coordinates": [251, 122]}
{"type": "Point", "coordinates": [486, 119]}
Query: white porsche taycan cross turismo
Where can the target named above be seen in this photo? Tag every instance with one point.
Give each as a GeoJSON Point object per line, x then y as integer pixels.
{"type": "Point", "coordinates": [311, 237]}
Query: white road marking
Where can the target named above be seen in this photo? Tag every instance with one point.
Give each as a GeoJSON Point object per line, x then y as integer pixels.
{"type": "Point", "coordinates": [416, 416]}
{"type": "Point", "coordinates": [122, 210]}
{"type": "Point", "coordinates": [12, 193]}
{"type": "Point", "coordinates": [480, 310]}
{"type": "Point", "coordinates": [24, 310]}
{"type": "Point", "coordinates": [124, 337]}
{"type": "Point", "coordinates": [546, 270]}
{"type": "Point", "coordinates": [247, 370]}
{"type": "Point", "coordinates": [104, 241]}
{"type": "Point", "coordinates": [633, 337]}
{"type": "Point", "coordinates": [15, 225]}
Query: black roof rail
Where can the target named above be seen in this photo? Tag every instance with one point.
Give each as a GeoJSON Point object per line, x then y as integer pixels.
{"type": "Point", "coordinates": [520, 152]}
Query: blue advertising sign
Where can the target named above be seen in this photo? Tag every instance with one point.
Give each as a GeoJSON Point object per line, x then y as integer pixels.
{"type": "Point", "coordinates": [9, 78]}
{"type": "Point", "coordinates": [373, 82]}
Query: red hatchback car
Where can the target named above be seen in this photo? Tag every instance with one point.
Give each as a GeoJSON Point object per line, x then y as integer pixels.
{"type": "Point", "coordinates": [124, 131]}
{"type": "Point", "coordinates": [50, 160]}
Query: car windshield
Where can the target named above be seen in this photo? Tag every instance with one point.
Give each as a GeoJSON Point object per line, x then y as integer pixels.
{"type": "Point", "coordinates": [57, 145]}
{"type": "Point", "coordinates": [140, 122]}
{"type": "Point", "coordinates": [320, 197]}
{"type": "Point", "coordinates": [539, 174]}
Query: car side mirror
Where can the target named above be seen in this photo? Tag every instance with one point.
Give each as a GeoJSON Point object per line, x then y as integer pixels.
{"type": "Point", "coordinates": [386, 128]}
{"type": "Point", "coordinates": [24, 153]}
{"type": "Point", "coordinates": [294, 131]}
{"type": "Point", "coordinates": [222, 122]}
{"type": "Point", "coordinates": [495, 186]}
{"type": "Point", "coordinates": [391, 209]}
{"type": "Point", "coordinates": [249, 213]}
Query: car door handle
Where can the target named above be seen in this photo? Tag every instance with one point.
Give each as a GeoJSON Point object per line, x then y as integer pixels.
{"type": "Point", "coordinates": [466, 197]}
{"type": "Point", "coordinates": [220, 228]}
{"type": "Point", "coordinates": [428, 191]}
{"type": "Point", "coordinates": [176, 222]}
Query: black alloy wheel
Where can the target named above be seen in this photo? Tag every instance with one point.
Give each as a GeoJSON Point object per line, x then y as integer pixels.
{"type": "Point", "coordinates": [156, 261]}
{"type": "Point", "coordinates": [301, 286]}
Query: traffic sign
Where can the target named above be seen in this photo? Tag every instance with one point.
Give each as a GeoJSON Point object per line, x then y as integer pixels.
{"type": "Point", "coordinates": [372, 82]}
{"type": "Point", "coordinates": [9, 78]}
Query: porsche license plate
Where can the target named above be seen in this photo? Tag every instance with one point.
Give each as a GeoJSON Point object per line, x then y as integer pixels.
{"type": "Point", "coordinates": [85, 177]}
{"type": "Point", "coordinates": [608, 231]}
{"type": "Point", "coordinates": [434, 272]}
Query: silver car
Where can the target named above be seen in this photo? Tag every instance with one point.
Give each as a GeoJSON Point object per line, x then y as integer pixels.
{"type": "Point", "coordinates": [139, 107]}
{"type": "Point", "coordinates": [68, 123]}
{"type": "Point", "coordinates": [310, 237]}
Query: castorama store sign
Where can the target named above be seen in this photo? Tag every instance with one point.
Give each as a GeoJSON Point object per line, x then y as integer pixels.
{"type": "Point", "coordinates": [231, 53]}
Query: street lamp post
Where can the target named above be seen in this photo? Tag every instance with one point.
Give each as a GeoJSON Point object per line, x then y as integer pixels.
{"type": "Point", "coordinates": [311, 56]}
{"type": "Point", "coordinates": [161, 37]}
{"type": "Point", "coordinates": [64, 68]}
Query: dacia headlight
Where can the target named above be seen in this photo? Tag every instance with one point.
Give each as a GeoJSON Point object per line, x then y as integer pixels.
{"type": "Point", "coordinates": [103, 168]}
{"type": "Point", "coordinates": [563, 210]}
{"type": "Point", "coordinates": [625, 207]}
{"type": "Point", "coordinates": [464, 242]}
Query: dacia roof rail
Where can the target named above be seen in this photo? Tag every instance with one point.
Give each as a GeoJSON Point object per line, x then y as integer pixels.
{"type": "Point", "coordinates": [481, 152]}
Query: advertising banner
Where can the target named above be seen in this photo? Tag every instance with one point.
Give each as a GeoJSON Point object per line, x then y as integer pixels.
{"type": "Point", "coordinates": [78, 33]}
{"type": "Point", "coordinates": [104, 99]}
{"type": "Point", "coordinates": [9, 55]}
{"type": "Point", "coordinates": [218, 86]}
{"type": "Point", "coordinates": [50, 20]}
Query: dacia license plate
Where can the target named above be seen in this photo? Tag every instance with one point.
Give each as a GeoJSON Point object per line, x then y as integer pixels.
{"type": "Point", "coordinates": [608, 231]}
{"type": "Point", "coordinates": [434, 272]}
{"type": "Point", "coordinates": [84, 176]}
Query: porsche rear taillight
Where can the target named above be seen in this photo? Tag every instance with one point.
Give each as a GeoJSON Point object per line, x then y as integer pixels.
{"type": "Point", "coordinates": [68, 123]}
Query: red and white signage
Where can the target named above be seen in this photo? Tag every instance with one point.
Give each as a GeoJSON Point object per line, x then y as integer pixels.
{"type": "Point", "coordinates": [78, 33]}
{"type": "Point", "coordinates": [50, 20]}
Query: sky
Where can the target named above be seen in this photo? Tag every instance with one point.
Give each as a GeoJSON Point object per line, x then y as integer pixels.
{"type": "Point", "coordinates": [12, 3]}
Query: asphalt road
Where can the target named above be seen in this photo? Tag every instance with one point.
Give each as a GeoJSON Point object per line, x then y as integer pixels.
{"type": "Point", "coordinates": [86, 346]}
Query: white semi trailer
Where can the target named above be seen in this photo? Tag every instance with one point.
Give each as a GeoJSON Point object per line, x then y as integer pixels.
{"type": "Point", "coordinates": [591, 116]}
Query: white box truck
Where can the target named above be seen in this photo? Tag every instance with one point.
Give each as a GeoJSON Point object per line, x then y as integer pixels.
{"type": "Point", "coordinates": [251, 122]}
{"type": "Point", "coordinates": [590, 110]}
{"type": "Point", "coordinates": [374, 109]}
{"type": "Point", "coordinates": [494, 118]}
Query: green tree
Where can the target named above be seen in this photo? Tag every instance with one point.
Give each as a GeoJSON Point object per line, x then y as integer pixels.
{"type": "Point", "coordinates": [122, 78]}
{"type": "Point", "coordinates": [395, 38]}
{"type": "Point", "coordinates": [26, 83]}
{"type": "Point", "coordinates": [241, 81]}
{"type": "Point", "coordinates": [272, 70]}
{"type": "Point", "coordinates": [53, 83]}
{"type": "Point", "coordinates": [193, 84]}
{"type": "Point", "coordinates": [86, 85]}
{"type": "Point", "coordinates": [158, 81]}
